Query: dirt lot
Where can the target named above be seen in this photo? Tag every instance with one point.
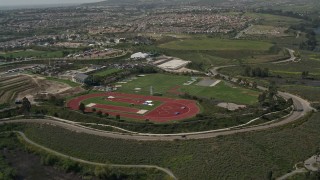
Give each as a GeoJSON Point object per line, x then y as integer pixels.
{"type": "Point", "coordinates": [43, 86]}
{"type": "Point", "coordinates": [266, 30]}
{"type": "Point", "coordinates": [17, 87]}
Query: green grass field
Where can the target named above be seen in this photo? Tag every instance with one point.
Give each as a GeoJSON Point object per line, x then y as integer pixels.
{"type": "Point", "coordinates": [217, 44]}
{"type": "Point", "coordinates": [292, 70]}
{"type": "Point", "coordinates": [32, 53]}
{"type": "Point", "coordinates": [274, 20]}
{"type": "Point", "coordinates": [310, 93]}
{"type": "Point", "coordinates": [241, 156]}
{"type": "Point", "coordinates": [162, 83]}
{"type": "Point", "coordinates": [224, 92]}
{"type": "Point", "coordinates": [102, 100]}
{"type": "Point", "coordinates": [106, 72]}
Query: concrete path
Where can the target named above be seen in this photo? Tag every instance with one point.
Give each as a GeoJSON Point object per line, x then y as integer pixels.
{"type": "Point", "coordinates": [313, 163]}
{"type": "Point", "coordinates": [297, 171]}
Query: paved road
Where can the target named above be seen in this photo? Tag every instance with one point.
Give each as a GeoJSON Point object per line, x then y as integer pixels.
{"type": "Point", "coordinates": [313, 163]}
{"type": "Point", "coordinates": [297, 171]}
{"type": "Point", "coordinates": [168, 172]}
{"type": "Point", "coordinates": [291, 59]}
{"type": "Point", "coordinates": [300, 104]}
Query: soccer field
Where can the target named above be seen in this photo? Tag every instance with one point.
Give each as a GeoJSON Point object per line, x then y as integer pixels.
{"type": "Point", "coordinates": [136, 107]}
{"type": "Point", "coordinates": [173, 85]}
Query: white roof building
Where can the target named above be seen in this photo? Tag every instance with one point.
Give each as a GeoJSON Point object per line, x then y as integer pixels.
{"type": "Point", "coordinates": [174, 64]}
{"type": "Point", "coordinates": [139, 55]}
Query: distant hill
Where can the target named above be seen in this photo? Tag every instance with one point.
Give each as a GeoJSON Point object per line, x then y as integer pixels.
{"type": "Point", "coordinates": [222, 3]}
{"type": "Point", "coordinates": [138, 2]}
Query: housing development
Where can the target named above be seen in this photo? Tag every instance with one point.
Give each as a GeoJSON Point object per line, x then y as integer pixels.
{"type": "Point", "coordinates": [152, 90]}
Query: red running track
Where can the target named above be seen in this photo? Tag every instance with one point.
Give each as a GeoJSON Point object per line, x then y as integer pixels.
{"type": "Point", "coordinates": [170, 110]}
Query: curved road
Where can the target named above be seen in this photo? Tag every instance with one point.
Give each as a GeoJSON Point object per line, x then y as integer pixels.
{"type": "Point", "coordinates": [302, 106]}
{"type": "Point", "coordinates": [25, 138]}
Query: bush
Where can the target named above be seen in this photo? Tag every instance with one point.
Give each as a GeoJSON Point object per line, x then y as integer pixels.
{"type": "Point", "coordinates": [99, 113]}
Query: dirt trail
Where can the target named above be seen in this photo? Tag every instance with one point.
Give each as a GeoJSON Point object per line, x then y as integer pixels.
{"type": "Point", "coordinates": [25, 138]}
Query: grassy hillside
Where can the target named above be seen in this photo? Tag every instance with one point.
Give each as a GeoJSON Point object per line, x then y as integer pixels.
{"type": "Point", "coordinates": [217, 44]}
{"type": "Point", "coordinates": [241, 156]}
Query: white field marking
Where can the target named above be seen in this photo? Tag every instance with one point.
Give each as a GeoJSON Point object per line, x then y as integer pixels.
{"type": "Point", "coordinates": [142, 111]}
{"type": "Point", "coordinates": [215, 83]}
{"type": "Point", "coordinates": [91, 105]}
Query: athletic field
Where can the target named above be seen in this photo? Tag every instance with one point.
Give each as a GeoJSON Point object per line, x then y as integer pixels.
{"type": "Point", "coordinates": [137, 106]}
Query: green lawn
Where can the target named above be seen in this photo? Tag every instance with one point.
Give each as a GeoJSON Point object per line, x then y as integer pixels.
{"type": "Point", "coordinates": [32, 53]}
{"type": "Point", "coordinates": [308, 63]}
{"type": "Point", "coordinates": [70, 83]}
{"type": "Point", "coordinates": [225, 92]}
{"type": "Point", "coordinates": [106, 72]}
{"type": "Point", "coordinates": [274, 20]}
{"type": "Point", "coordinates": [102, 100]}
{"type": "Point", "coordinates": [217, 44]}
{"type": "Point", "coordinates": [163, 82]}
{"type": "Point", "coordinates": [309, 92]}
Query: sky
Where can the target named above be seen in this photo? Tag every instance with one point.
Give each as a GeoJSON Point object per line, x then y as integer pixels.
{"type": "Point", "coordinates": [41, 2]}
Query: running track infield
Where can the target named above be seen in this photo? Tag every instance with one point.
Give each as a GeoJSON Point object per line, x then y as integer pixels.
{"type": "Point", "coordinates": [169, 110]}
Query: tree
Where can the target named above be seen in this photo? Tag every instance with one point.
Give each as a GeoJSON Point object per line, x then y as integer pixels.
{"type": "Point", "coordinates": [106, 114]}
{"type": "Point", "coordinates": [99, 113]}
{"type": "Point", "coordinates": [273, 90]}
{"type": "Point", "coordinates": [269, 175]}
{"type": "Point", "coordinates": [102, 172]}
{"type": "Point", "coordinates": [254, 85]}
{"type": "Point", "coordinates": [94, 109]}
{"type": "Point", "coordinates": [118, 117]}
{"type": "Point", "coordinates": [26, 105]}
{"type": "Point", "coordinates": [304, 74]}
{"type": "Point", "coordinates": [290, 102]}
{"type": "Point", "coordinates": [262, 97]}
{"type": "Point", "coordinates": [247, 71]}
{"type": "Point", "coordinates": [82, 108]}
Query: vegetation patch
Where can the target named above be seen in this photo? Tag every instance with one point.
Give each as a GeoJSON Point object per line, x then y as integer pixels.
{"type": "Point", "coordinates": [217, 44]}
{"type": "Point", "coordinates": [196, 159]}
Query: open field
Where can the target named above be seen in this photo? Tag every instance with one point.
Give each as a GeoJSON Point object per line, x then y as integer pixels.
{"type": "Point", "coordinates": [130, 106]}
{"type": "Point", "coordinates": [32, 53]}
{"type": "Point", "coordinates": [274, 20]}
{"type": "Point", "coordinates": [222, 91]}
{"type": "Point", "coordinates": [310, 64]}
{"type": "Point", "coordinates": [103, 100]}
{"type": "Point", "coordinates": [227, 157]}
{"type": "Point", "coordinates": [266, 30]}
{"type": "Point", "coordinates": [167, 82]}
{"type": "Point", "coordinates": [217, 44]}
{"type": "Point", "coordinates": [310, 93]}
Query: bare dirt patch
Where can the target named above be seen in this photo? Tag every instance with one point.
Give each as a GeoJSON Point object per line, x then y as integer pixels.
{"type": "Point", "coordinates": [231, 106]}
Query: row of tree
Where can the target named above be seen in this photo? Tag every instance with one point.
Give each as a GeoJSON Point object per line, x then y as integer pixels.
{"type": "Point", "coordinates": [256, 72]}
